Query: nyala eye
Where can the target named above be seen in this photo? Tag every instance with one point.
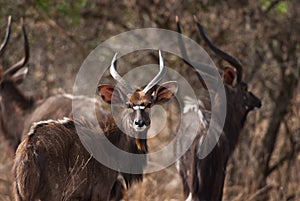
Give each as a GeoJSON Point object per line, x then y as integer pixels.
{"type": "Point", "coordinates": [148, 105]}
{"type": "Point", "coordinates": [245, 87]}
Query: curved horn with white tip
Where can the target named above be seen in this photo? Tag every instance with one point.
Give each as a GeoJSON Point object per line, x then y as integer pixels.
{"type": "Point", "coordinates": [13, 69]}
{"type": "Point", "coordinates": [7, 35]}
{"type": "Point", "coordinates": [159, 76]}
{"type": "Point", "coordinates": [113, 72]}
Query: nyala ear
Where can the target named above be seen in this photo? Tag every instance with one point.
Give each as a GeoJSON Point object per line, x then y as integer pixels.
{"type": "Point", "coordinates": [165, 92]}
{"type": "Point", "coordinates": [229, 76]}
{"type": "Point", "coordinates": [110, 94]}
{"type": "Point", "coordinates": [20, 75]}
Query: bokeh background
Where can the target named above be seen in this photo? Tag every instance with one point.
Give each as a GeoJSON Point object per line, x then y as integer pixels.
{"type": "Point", "coordinates": [263, 34]}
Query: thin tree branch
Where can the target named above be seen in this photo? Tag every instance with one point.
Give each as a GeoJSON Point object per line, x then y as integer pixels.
{"type": "Point", "coordinates": [260, 192]}
{"type": "Point", "coordinates": [281, 161]}
{"type": "Point", "coordinates": [271, 6]}
{"type": "Point", "coordinates": [290, 154]}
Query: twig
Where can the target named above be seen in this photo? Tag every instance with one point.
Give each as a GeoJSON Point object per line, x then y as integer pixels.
{"type": "Point", "coordinates": [271, 6]}
{"type": "Point", "coordinates": [260, 192]}
{"type": "Point", "coordinates": [281, 161]}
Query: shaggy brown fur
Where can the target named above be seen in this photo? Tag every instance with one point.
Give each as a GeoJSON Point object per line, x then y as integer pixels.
{"type": "Point", "coordinates": [52, 164]}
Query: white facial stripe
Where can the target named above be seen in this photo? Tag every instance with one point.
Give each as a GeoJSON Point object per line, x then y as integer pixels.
{"type": "Point", "coordinates": [138, 107]}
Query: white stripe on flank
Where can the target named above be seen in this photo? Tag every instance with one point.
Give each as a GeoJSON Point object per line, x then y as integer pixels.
{"type": "Point", "coordinates": [189, 198]}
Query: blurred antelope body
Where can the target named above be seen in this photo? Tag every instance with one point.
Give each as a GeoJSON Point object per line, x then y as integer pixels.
{"type": "Point", "coordinates": [203, 179]}
{"type": "Point", "coordinates": [18, 112]}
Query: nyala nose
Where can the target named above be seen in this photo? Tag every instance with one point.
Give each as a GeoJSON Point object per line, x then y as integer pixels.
{"type": "Point", "coordinates": [140, 123]}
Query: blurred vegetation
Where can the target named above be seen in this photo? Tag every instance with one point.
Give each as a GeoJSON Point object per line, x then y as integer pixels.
{"type": "Point", "coordinates": [263, 34]}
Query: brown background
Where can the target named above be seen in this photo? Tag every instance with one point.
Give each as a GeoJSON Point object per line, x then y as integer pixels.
{"type": "Point", "coordinates": [263, 34]}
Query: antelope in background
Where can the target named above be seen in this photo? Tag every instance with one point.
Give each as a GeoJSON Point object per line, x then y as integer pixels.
{"type": "Point", "coordinates": [18, 111]}
{"type": "Point", "coordinates": [52, 164]}
{"type": "Point", "coordinates": [203, 179]}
